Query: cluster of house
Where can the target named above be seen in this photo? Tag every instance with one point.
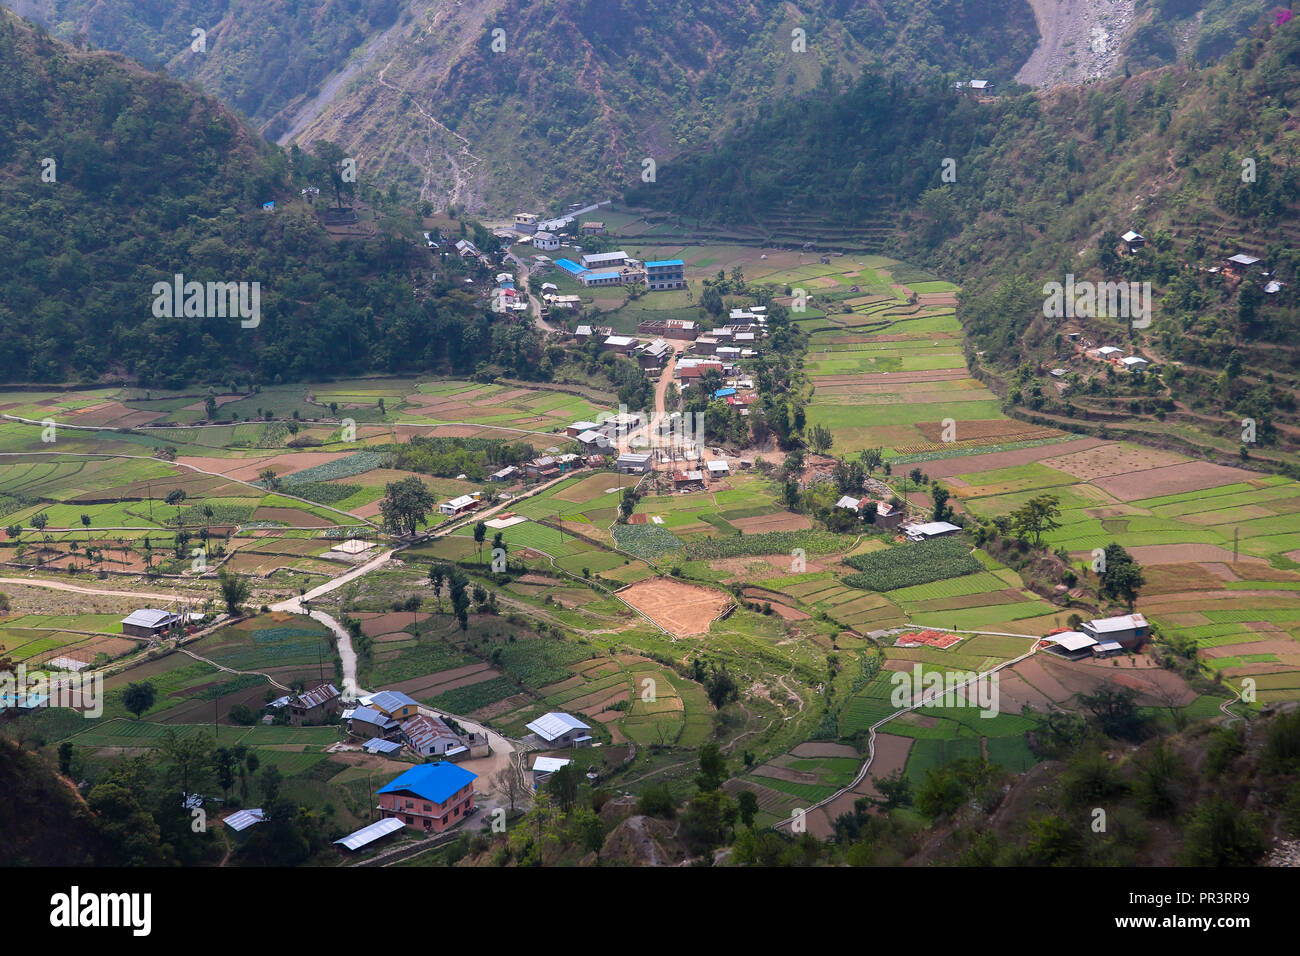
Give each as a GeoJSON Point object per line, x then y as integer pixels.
{"type": "Point", "coordinates": [602, 438]}
{"type": "Point", "coordinates": [506, 298]}
{"type": "Point", "coordinates": [1115, 356]}
{"type": "Point", "coordinates": [696, 478]}
{"type": "Point", "coordinates": [887, 516]}
{"type": "Point", "coordinates": [618, 268]}
{"type": "Point", "coordinates": [391, 720]}
{"type": "Point", "coordinates": [1099, 637]}
{"type": "Point", "coordinates": [1237, 265]}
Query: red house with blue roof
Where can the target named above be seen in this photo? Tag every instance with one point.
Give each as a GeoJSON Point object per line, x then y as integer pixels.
{"type": "Point", "coordinates": [430, 797]}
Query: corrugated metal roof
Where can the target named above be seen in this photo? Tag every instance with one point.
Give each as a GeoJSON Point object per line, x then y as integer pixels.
{"type": "Point", "coordinates": [317, 696]}
{"type": "Point", "coordinates": [432, 781]}
{"type": "Point", "coordinates": [371, 716]}
{"type": "Point", "coordinates": [555, 724]}
{"type": "Point", "coordinates": [1072, 640]}
{"type": "Point", "coordinates": [391, 700]}
{"type": "Point", "coordinates": [381, 746]}
{"type": "Point", "coordinates": [149, 617]}
{"type": "Point", "coordinates": [1124, 622]}
{"type": "Point", "coordinates": [244, 819]}
{"type": "Point", "coordinates": [422, 732]}
{"type": "Point", "coordinates": [371, 833]}
{"type": "Point", "coordinates": [550, 764]}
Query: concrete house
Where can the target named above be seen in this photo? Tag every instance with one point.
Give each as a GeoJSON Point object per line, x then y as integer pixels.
{"type": "Point", "coordinates": [428, 736]}
{"type": "Point", "coordinates": [394, 704]}
{"type": "Point", "coordinates": [369, 723]}
{"type": "Point", "coordinates": [631, 463]}
{"type": "Point", "coordinates": [459, 506]}
{"type": "Point", "coordinates": [1126, 630]}
{"type": "Point", "coordinates": [430, 797]}
{"type": "Point", "coordinates": [148, 622]}
{"type": "Point", "coordinates": [543, 767]}
{"type": "Point", "coordinates": [561, 730]}
{"type": "Point", "coordinates": [315, 706]}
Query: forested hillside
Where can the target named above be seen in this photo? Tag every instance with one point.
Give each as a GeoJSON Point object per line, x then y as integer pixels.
{"type": "Point", "coordinates": [254, 55]}
{"type": "Point", "coordinates": [113, 178]}
{"type": "Point", "coordinates": [572, 98]}
{"type": "Point", "coordinates": [1043, 185]}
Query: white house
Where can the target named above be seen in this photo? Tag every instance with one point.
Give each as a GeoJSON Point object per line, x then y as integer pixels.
{"type": "Point", "coordinates": [931, 529]}
{"type": "Point", "coordinates": [546, 241]}
{"type": "Point", "coordinates": [543, 767]}
{"type": "Point", "coordinates": [459, 505]}
{"type": "Point", "coordinates": [1133, 362]}
{"type": "Point", "coordinates": [561, 730]}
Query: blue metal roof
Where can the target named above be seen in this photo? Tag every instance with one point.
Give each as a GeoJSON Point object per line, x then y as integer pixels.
{"type": "Point", "coordinates": [432, 781]}
{"type": "Point", "coordinates": [724, 392]}
{"type": "Point", "coordinates": [607, 274]}
{"type": "Point", "coordinates": [391, 700]}
{"type": "Point", "coordinates": [569, 266]}
{"type": "Point", "coordinates": [665, 262]}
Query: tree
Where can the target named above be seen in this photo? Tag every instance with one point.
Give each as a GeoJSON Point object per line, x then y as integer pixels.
{"type": "Point", "coordinates": [187, 759]}
{"type": "Point", "coordinates": [942, 510]}
{"type": "Point", "coordinates": [1036, 516]}
{"type": "Point", "coordinates": [223, 763]}
{"type": "Point", "coordinates": [721, 688]}
{"type": "Point", "coordinates": [713, 768]}
{"type": "Point", "coordinates": [405, 505]}
{"type": "Point", "coordinates": [39, 521]}
{"type": "Point", "coordinates": [564, 786]}
{"type": "Point", "coordinates": [895, 790]}
{"type": "Point", "coordinates": [480, 533]}
{"type": "Point", "coordinates": [436, 574]}
{"type": "Point", "coordinates": [872, 458]}
{"type": "Point", "coordinates": [747, 801]}
{"type": "Point", "coordinates": [268, 478]}
{"type": "Point", "coordinates": [176, 498]}
{"type": "Point", "coordinates": [139, 697]}
{"type": "Point", "coordinates": [820, 438]}
{"type": "Point", "coordinates": [271, 780]}
{"type": "Point", "coordinates": [1221, 835]}
{"type": "Point", "coordinates": [940, 794]}
{"type": "Point", "coordinates": [85, 523]}
{"type": "Point", "coordinates": [1121, 575]}
{"type": "Point", "coordinates": [234, 590]}
{"type": "Point", "coordinates": [1114, 710]}
{"type": "Point", "coordinates": [66, 750]}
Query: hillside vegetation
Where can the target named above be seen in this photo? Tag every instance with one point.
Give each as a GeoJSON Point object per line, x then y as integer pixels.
{"type": "Point", "coordinates": [113, 178]}
{"type": "Point", "coordinates": [1042, 187]}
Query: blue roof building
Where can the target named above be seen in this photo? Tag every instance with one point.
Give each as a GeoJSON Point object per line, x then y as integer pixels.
{"type": "Point", "coordinates": [724, 392]}
{"type": "Point", "coordinates": [435, 782]}
{"type": "Point", "coordinates": [569, 266]}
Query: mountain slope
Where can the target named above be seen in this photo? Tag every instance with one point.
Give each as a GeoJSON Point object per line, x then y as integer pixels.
{"type": "Point", "coordinates": [1045, 184]}
{"type": "Point", "coordinates": [580, 93]}
{"type": "Point", "coordinates": [113, 179]}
